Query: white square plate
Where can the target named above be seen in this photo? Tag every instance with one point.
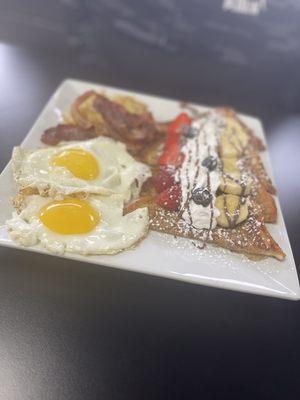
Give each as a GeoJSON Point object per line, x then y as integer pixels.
{"type": "Point", "coordinates": [161, 254]}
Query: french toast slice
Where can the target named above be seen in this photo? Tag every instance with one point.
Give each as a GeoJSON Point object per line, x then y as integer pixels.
{"type": "Point", "coordinates": [251, 237]}
{"type": "Point", "coordinates": [243, 175]}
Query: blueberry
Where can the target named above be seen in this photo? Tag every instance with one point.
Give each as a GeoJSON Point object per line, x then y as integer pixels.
{"type": "Point", "coordinates": [202, 196]}
{"type": "Point", "coordinates": [210, 163]}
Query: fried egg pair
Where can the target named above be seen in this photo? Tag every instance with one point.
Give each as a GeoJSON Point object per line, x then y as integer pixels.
{"type": "Point", "coordinates": [98, 166]}
{"type": "Point", "coordinates": [92, 226]}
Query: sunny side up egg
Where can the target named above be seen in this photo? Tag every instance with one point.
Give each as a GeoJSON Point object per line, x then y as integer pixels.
{"type": "Point", "coordinates": [93, 226]}
{"type": "Point", "coordinates": [98, 166]}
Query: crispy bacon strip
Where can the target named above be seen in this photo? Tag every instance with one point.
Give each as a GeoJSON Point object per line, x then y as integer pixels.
{"type": "Point", "coordinates": [137, 131]}
{"type": "Point", "coordinates": [64, 132]}
{"type": "Point", "coordinates": [130, 127]}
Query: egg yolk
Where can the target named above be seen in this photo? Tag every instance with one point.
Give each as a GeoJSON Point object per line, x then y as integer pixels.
{"type": "Point", "coordinates": [69, 216]}
{"type": "Point", "coordinates": [80, 163]}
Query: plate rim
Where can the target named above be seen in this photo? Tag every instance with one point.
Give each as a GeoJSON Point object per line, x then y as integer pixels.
{"type": "Point", "coordinates": [70, 81]}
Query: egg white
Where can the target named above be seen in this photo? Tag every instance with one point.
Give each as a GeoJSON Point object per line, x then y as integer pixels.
{"type": "Point", "coordinates": [114, 233]}
{"type": "Point", "coordinates": [119, 172]}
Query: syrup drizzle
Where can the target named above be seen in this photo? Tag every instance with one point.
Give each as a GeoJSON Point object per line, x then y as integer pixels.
{"type": "Point", "coordinates": [240, 149]}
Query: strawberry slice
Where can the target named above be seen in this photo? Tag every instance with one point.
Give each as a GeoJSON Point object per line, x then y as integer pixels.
{"type": "Point", "coordinates": [169, 199]}
{"type": "Point", "coordinates": [171, 153]}
{"type": "Point", "coordinates": [179, 123]}
{"type": "Point", "coordinates": [163, 179]}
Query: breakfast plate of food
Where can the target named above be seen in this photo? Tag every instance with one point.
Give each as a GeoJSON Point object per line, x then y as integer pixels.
{"type": "Point", "coordinates": [152, 185]}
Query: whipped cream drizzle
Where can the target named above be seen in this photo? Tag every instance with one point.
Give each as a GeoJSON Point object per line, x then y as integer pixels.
{"type": "Point", "coordinates": [193, 174]}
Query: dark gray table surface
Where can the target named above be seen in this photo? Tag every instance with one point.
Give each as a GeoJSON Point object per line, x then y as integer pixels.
{"type": "Point", "coordinates": [70, 330]}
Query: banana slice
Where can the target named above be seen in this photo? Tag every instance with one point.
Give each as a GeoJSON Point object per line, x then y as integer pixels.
{"type": "Point", "coordinates": [233, 140]}
{"type": "Point", "coordinates": [233, 182]}
{"type": "Point", "coordinates": [230, 165]}
{"type": "Point", "coordinates": [236, 184]}
{"type": "Point", "coordinates": [233, 210]}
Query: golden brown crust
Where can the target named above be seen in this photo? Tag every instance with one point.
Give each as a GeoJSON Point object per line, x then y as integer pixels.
{"type": "Point", "coordinates": [250, 237]}
{"type": "Point", "coordinates": [267, 203]}
{"type": "Point", "coordinates": [262, 187]}
{"type": "Point", "coordinates": [255, 165]}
